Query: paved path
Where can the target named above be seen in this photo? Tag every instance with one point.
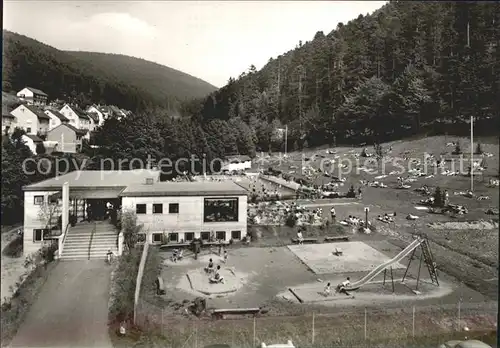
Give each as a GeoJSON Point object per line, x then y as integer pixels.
{"type": "Point", "coordinates": [71, 309]}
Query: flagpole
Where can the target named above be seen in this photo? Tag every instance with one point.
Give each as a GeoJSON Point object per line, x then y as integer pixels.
{"type": "Point", "coordinates": [472, 153]}
{"type": "Point", "coordinates": [286, 138]}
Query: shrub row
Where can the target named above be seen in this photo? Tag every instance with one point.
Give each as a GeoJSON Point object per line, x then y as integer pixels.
{"type": "Point", "coordinates": [123, 286]}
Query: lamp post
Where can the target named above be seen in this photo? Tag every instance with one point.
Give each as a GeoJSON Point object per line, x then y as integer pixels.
{"type": "Point", "coordinates": [366, 216]}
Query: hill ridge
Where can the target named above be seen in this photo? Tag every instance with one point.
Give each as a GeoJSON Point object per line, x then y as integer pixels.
{"type": "Point", "coordinates": [129, 82]}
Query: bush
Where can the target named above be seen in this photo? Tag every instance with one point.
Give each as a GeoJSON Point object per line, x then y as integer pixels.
{"type": "Point", "coordinates": [123, 284]}
{"type": "Point", "coordinates": [14, 310]}
{"type": "Point", "coordinates": [130, 228]}
{"type": "Point", "coordinates": [379, 152]}
{"type": "Point", "coordinates": [479, 149]}
{"type": "Point", "coordinates": [40, 149]}
{"type": "Point", "coordinates": [351, 193]}
{"type": "Point", "coordinates": [14, 248]}
{"type": "Point", "coordinates": [291, 220]}
{"type": "Point", "coordinates": [438, 197]}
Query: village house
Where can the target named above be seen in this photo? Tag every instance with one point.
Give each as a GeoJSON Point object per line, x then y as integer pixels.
{"type": "Point", "coordinates": [67, 137]}
{"type": "Point", "coordinates": [32, 96]}
{"type": "Point", "coordinates": [98, 111]}
{"type": "Point", "coordinates": [77, 117]}
{"type": "Point", "coordinates": [94, 121]}
{"type": "Point", "coordinates": [56, 118]}
{"type": "Point", "coordinates": [32, 119]}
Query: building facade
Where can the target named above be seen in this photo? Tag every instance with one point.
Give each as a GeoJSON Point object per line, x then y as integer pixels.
{"type": "Point", "coordinates": [56, 118]}
{"type": "Point", "coordinates": [30, 118]}
{"type": "Point", "coordinates": [68, 138]}
{"type": "Point", "coordinates": [169, 211]}
{"type": "Point", "coordinates": [32, 96]}
{"type": "Point", "coordinates": [182, 211]}
{"type": "Point", "coordinates": [77, 118]}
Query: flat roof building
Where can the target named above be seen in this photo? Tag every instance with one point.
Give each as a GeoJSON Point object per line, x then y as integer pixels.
{"type": "Point", "coordinates": [169, 211]}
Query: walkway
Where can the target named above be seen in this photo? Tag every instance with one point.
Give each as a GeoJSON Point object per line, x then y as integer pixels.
{"type": "Point", "coordinates": [71, 309]}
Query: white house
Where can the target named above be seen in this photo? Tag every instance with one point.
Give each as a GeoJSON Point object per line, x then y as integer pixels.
{"type": "Point", "coordinates": [31, 119]}
{"type": "Point", "coordinates": [96, 110]}
{"type": "Point", "coordinates": [56, 118]}
{"type": "Point", "coordinates": [32, 96]}
{"type": "Point", "coordinates": [236, 163]}
{"type": "Point", "coordinates": [77, 118]}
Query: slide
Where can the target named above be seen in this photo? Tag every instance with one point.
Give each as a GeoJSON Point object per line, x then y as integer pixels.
{"type": "Point", "coordinates": [356, 285]}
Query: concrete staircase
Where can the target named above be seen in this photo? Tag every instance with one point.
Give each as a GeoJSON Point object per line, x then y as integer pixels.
{"type": "Point", "coordinates": [78, 241]}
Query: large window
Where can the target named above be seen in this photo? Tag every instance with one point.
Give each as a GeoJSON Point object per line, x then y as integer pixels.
{"type": "Point", "coordinates": [157, 208]}
{"type": "Point", "coordinates": [173, 208]}
{"type": "Point", "coordinates": [220, 210]}
{"type": "Point", "coordinates": [140, 208]}
{"type": "Point", "coordinates": [38, 200]}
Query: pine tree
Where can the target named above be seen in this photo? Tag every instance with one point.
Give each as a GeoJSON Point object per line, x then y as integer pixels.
{"type": "Point", "coordinates": [479, 149]}
{"type": "Point", "coordinates": [438, 197]}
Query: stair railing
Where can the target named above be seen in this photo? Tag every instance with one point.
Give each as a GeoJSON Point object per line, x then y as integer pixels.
{"type": "Point", "coordinates": [91, 238]}
{"type": "Point", "coordinates": [61, 240]}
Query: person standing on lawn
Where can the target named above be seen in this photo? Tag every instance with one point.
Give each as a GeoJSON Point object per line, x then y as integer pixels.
{"type": "Point", "coordinates": [333, 214]}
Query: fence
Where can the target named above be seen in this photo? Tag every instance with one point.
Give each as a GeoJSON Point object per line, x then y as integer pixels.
{"type": "Point", "coordinates": [390, 326]}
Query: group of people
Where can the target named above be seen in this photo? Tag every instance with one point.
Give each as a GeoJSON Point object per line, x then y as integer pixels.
{"type": "Point", "coordinates": [217, 277]}
{"type": "Point", "coordinates": [92, 214]}
{"type": "Point", "coordinates": [341, 288]}
{"type": "Point", "coordinates": [177, 255]}
{"type": "Point", "coordinates": [387, 218]}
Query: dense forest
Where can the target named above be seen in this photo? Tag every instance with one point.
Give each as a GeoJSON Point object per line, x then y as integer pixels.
{"type": "Point", "coordinates": [86, 77]}
{"type": "Point", "coordinates": [408, 68]}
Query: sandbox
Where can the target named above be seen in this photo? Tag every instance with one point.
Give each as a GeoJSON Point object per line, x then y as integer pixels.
{"type": "Point", "coordinates": [356, 257]}
{"type": "Point", "coordinates": [199, 281]}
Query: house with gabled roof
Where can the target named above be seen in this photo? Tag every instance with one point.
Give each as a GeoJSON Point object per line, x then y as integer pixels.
{"type": "Point", "coordinates": [77, 117]}
{"type": "Point", "coordinates": [30, 118]}
{"type": "Point", "coordinates": [97, 111]}
{"type": "Point", "coordinates": [33, 96]}
{"type": "Point", "coordinates": [56, 118]}
{"type": "Point", "coordinates": [67, 137]}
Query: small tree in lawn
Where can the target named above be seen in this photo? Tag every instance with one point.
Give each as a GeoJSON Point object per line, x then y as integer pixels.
{"type": "Point", "coordinates": [479, 149]}
{"type": "Point", "coordinates": [438, 197]}
{"type": "Point", "coordinates": [379, 151]}
{"type": "Point", "coordinates": [46, 214]}
{"type": "Point", "coordinates": [130, 228]}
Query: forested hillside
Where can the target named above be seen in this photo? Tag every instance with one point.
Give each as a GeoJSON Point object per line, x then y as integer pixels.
{"type": "Point", "coordinates": [409, 67]}
{"type": "Point", "coordinates": [130, 83]}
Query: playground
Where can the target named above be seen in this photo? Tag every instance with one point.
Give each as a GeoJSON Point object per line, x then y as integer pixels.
{"type": "Point", "coordinates": [287, 278]}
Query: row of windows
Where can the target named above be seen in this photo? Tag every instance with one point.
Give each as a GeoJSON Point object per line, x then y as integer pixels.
{"type": "Point", "coordinates": [189, 236]}
{"type": "Point", "coordinates": [173, 208]}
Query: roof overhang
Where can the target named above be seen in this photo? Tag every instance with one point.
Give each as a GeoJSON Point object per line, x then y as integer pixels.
{"type": "Point", "coordinates": [95, 193]}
